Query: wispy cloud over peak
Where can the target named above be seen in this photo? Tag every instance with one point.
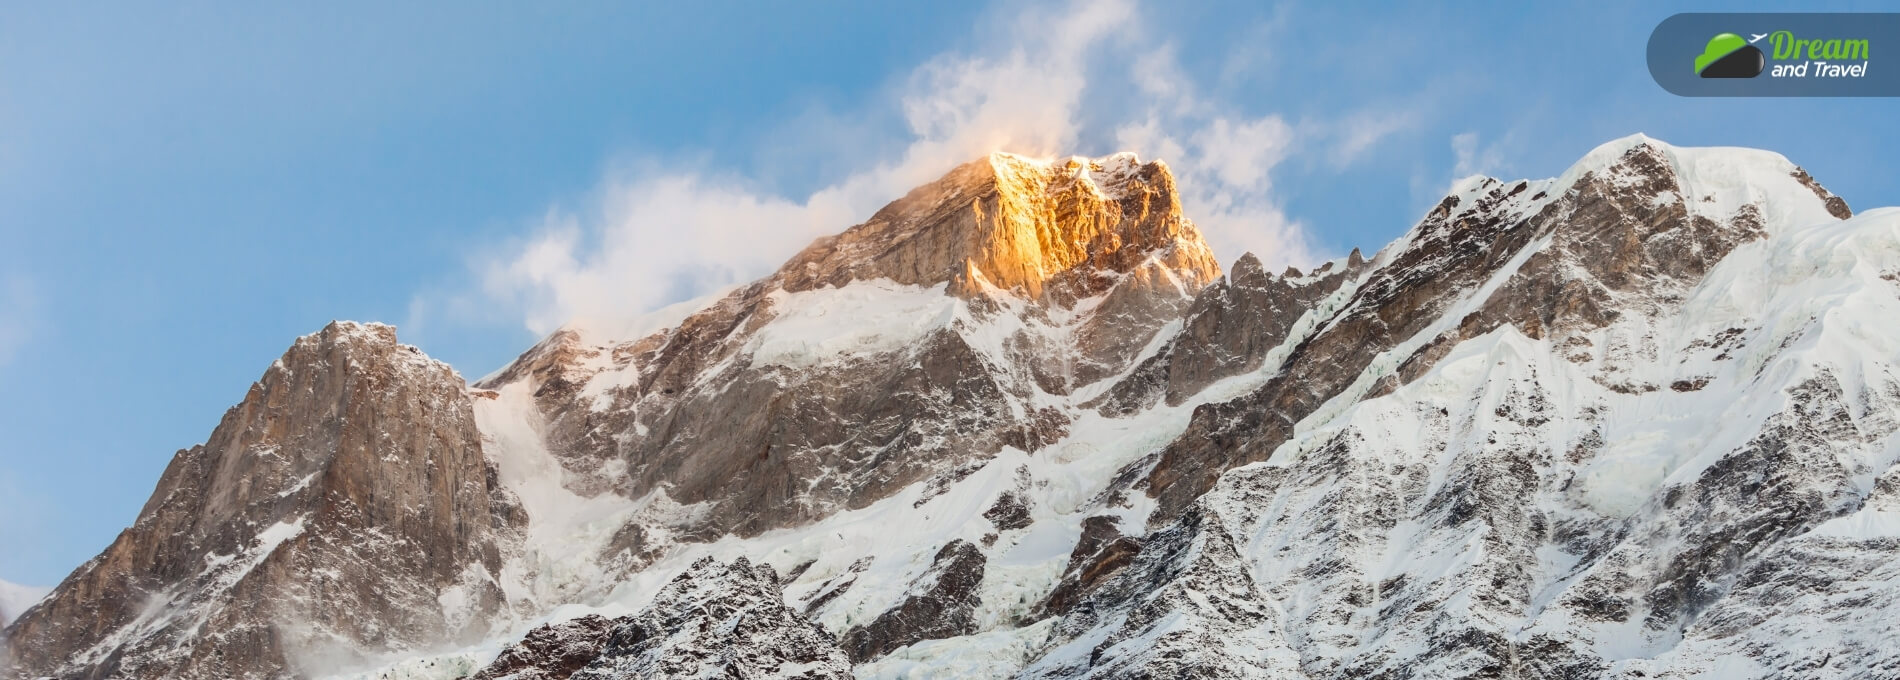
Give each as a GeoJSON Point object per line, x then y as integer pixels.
{"type": "Point", "coordinates": [1049, 80]}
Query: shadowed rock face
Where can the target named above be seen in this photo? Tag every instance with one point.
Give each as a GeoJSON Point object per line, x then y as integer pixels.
{"type": "Point", "coordinates": [319, 524]}
{"type": "Point", "coordinates": [692, 410]}
{"type": "Point", "coordinates": [1185, 607]}
{"type": "Point", "coordinates": [941, 604]}
{"type": "Point", "coordinates": [1229, 330]}
{"type": "Point", "coordinates": [553, 651]}
{"type": "Point", "coordinates": [1100, 553]}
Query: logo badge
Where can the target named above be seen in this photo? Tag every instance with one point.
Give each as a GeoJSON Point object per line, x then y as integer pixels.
{"type": "Point", "coordinates": [1775, 54]}
{"type": "Point", "coordinates": [1730, 56]}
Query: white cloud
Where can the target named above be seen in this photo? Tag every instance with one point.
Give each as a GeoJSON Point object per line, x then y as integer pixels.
{"type": "Point", "coordinates": [655, 239]}
{"type": "Point", "coordinates": [1222, 160]}
{"type": "Point", "coordinates": [1358, 133]}
{"type": "Point", "coordinates": [1043, 82]}
{"type": "Point", "coordinates": [1473, 159]}
{"type": "Point", "coordinates": [658, 236]}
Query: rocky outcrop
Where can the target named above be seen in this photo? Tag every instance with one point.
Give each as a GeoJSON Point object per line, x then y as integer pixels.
{"type": "Point", "coordinates": [553, 651]}
{"type": "Point", "coordinates": [1100, 553]}
{"type": "Point", "coordinates": [716, 619]}
{"type": "Point", "coordinates": [1010, 512]}
{"type": "Point", "coordinates": [1187, 607]}
{"type": "Point", "coordinates": [1227, 331]}
{"type": "Point", "coordinates": [1826, 579]}
{"type": "Point", "coordinates": [342, 511]}
{"type": "Point", "coordinates": [940, 604]}
{"type": "Point", "coordinates": [1056, 232]}
{"type": "Point", "coordinates": [719, 620]}
{"type": "Point", "coordinates": [1455, 249]}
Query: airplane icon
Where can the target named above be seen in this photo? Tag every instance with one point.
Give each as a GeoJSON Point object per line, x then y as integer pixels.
{"type": "Point", "coordinates": [1756, 37]}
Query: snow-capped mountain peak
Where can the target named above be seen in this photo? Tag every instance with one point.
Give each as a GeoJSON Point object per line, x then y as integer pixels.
{"type": "Point", "coordinates": [1056, 231]}
{"type": "Point", "coordinates": [1637, 420]}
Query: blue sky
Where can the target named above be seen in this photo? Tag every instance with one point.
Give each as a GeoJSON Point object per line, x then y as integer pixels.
{"type": "Point", "coordinates": [186, 188]}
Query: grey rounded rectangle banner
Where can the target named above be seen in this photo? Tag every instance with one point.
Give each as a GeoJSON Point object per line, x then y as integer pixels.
{"type": "Point", "coordinates": [1791, 54]}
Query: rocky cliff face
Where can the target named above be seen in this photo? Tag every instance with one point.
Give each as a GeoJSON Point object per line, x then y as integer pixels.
{"type": "Point", "coordinates": [1639, 420]}
{"type": "Point", "coordinates": [1061, 231]}
{"type": "Point", "coordinates": [343, 511]}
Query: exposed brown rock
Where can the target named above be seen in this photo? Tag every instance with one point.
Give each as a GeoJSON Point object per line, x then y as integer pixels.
{"type": "Point", "coordinates": [715, 619]}
{"type": "Point", "coordinates": [1010, 511]}
{"type": "Point", "coordinates": [1052, 231]}
{"type": "Point", "coordinates": [552, 651]}
{"type": "Point", "coordinates": [1101, 552]}
{"type": "Point", "coordinates": [1690, 385]}
{"type": "Point", "coordinates": [1836, 205]}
